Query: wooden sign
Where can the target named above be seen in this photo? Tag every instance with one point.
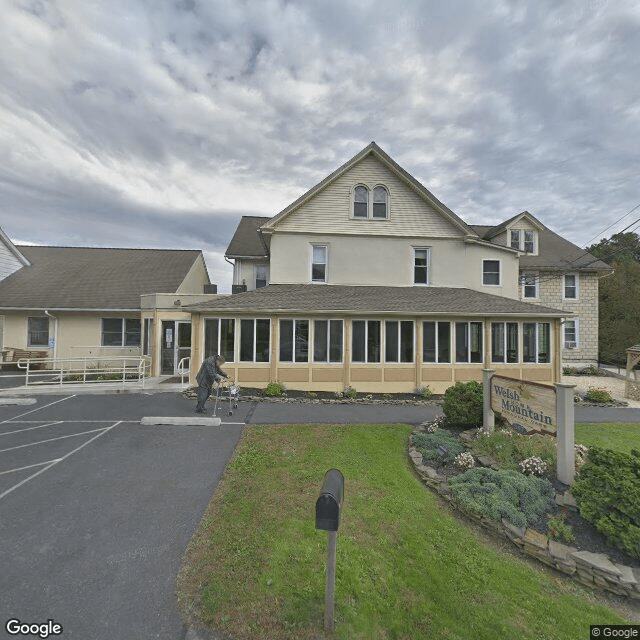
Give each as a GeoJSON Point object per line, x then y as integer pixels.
{"type": "Point", "coordinates": [528, 407]}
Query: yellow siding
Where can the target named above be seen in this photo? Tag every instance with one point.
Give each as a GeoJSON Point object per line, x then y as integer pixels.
{"type": "Point", "coordinates": [330, 209]}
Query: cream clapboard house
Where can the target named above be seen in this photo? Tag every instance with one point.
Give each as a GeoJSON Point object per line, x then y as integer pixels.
{"type": "Point", "coordinates": [76, 302]}
{"type": "Point", "coordinates": [368, 281]}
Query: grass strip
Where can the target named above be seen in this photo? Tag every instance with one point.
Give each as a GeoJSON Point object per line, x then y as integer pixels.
{"type": "Point", "coordinates": [616, 436]}
{"type": "Point", "coordinates": [405, 567]}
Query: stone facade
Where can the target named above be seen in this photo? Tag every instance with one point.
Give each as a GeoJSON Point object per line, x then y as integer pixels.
{"type": "Point", "coordinates": [584, 309]}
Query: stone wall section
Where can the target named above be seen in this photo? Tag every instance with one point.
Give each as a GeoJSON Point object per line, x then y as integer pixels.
{"type": "Point", "coordinates": [593, 570]}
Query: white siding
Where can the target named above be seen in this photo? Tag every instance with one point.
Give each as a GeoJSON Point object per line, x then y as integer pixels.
{"type": "Point", "coordinates": [329, 211]}
{"type": "Point", "coordinates": [8, 262]}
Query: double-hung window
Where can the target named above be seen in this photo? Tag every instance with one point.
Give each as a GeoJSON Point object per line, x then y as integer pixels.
{"type": "Point", "coordinates": [255, 340]}
{"type": "Point", "coordinates": [571, 287]}
{"type": "Point", "coordinates": [319, 263]}
{"type": "Point", "coordinates": [380, 203]}
{"type": "Point", "coordinates": [370, 206]}
{"type": "Point", "coordinates": [327, 340]}
{"type": "Point", "coordinates": [365, 341]}
{"type": "Point", "coordinates": [536, 342]}
{"type": "Point", "coordinates": [530, 284]}
{"type": "Point", "coordinates": [570, 334]}
{"type": "Point", "coordinates": [491, 272]}
{"type": "Point", "coordinates": [504, 342]}
{"type": "Point", "coordinates": [262, 275]}
{"type": "Point", "coordinates": [421, 265]}
{"type": "Point", "coordinates": [398, 341]}
{"type": "Point", "coordinates": [523, 240]}
{"type": "Point", "coordinates": [469, 342]}
{"type": "Point", "coordinates": [219, 337]}
{"type": "Point", "coordinates": [294, 341]}
{"type": "Point", "coordinates": [37, 331]}
{"type": "Point", "coordinates": [121, 332]}
{"type": "Point", "coordinates": [436, 342]}
{"type": "Point", "coordinates": [361, 202]}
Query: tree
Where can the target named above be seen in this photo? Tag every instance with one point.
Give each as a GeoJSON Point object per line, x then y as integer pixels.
{"type": "Point", "coordinates": [619, 295]}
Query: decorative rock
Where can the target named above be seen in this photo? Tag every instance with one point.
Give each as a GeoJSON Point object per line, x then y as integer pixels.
{"type": "Point", "coordinates": [597, 561]}
{"type": "Point", "coordinates": [535, 539]}
{"type": "Point", "coordinates": [627, 576]}
{"type": "Point", "coordinates": [487, 462]}
{"type": "Point", "coordinates": [560, 552]}
{"type": "Point", "coordinates": [516, 532]}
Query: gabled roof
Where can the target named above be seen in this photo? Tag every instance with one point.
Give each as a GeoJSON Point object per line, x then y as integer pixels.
{"type": "Point", "coordinates": [371, 300]}
{"type": "Point", "coordinates": [12, 248]}
{"type": "Point", "coordinates": [247, 241]}
{"type": "Point", "coordinates": [394, 167]}
{"type": "Point", "coordinates": [93, 278]}
{"type": "Point", "coordinates": [554, 252]}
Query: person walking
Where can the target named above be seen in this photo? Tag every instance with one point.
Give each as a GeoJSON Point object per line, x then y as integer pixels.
{"type": "Point", "coordinates": [209, 373]}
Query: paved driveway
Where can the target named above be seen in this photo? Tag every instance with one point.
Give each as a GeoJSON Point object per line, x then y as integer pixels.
{"type": "Point", "coordinates": [96, 511]}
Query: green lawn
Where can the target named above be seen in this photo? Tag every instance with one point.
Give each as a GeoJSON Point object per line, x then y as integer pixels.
{"type": "Point", "coordinates": [405, 567]}
{"type": "Point", "coordinates": [616, 436]}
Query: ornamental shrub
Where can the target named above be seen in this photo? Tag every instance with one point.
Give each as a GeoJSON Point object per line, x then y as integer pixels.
{"type": "Point", "coordinates": [503, 494]}
{"type": "Point", "coordinates": [427, 443]}
{"type": "Point", "coordinates": [598, 395]}
{"type": "Point", "coordinates": [607, 491]}
{"type": "Point", "coordinates": [274, 389]}
{"type": "Point", "coordinates": [463, 404]}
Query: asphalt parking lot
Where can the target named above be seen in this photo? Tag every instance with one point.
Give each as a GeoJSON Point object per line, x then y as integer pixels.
{"type": "Point", "coordinates": [96, 511]}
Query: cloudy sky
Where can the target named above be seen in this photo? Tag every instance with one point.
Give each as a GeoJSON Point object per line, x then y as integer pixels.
{"type": "Point", "coordinates": [159, 123]}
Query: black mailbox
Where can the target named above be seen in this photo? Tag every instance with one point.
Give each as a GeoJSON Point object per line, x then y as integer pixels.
{"type": "Point", "coordinates": [329, 503]}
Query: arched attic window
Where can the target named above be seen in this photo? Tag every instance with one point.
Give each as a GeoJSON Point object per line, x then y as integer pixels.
{"type": "Point", "coordinates": [361, 202]}
{"type": "Point", "coordinates": [380, 202]}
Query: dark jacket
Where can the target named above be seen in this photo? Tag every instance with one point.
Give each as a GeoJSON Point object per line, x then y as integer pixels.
{"type": "Point", "coordinates": [210, 372]}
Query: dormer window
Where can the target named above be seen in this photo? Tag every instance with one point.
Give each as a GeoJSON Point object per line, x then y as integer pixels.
{"type": "Point", "coordinates": [371, 206]}
{"type": "Point", "coordinates": [523, 240]}
{"type": "Point", "coordinates": [361, 202]}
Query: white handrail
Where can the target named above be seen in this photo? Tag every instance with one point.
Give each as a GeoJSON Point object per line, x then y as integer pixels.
{"type": "Point", "coordinates": [183, 368]}
{"type": "Point", "coordinates": [61, 371]}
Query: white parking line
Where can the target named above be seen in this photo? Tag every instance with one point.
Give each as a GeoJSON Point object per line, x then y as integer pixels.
{"type": "Point", "coordinates": [26, 413]}
{"type": "Point", "coordinates": [33, 444]}
{"type": "Point", "coordinates": [30, 466]}
{"type": "Point", "coordinates": [49, 424]}
{"type": "Point", "coordinates": [54, 462]}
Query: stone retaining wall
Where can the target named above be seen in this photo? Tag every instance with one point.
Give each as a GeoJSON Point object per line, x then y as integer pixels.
{"type": "Point", "coordinates": [590, 569]}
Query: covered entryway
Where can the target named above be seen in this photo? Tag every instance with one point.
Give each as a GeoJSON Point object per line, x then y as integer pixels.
{"type": "Point", "coordinates": [175, 345]}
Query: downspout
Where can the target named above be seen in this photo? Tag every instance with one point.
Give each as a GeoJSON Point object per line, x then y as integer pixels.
{"type": "Point", "coordinates": [55, 333]}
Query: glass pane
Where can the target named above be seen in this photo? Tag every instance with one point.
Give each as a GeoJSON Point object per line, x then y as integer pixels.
{"type": "Point", "coordinates": [320, 328]}
{"type": "Point", "coordinates": [391, 341]}
{"type": "Point", "coordinates": [379, 202]}
{"type": "Point", "coordinates": [515, 239]}
{"type": "Point", "coordinates": [286, 340]}
{"type": "Point", "coordinates": [444, 342]}
{"type": "Point", "coordinates": [210, 336]}
{"type": "Point", "coordinates": [318, 272]}
{"type": "Point", "coordinates": [227, 339]}
{"type": "Point", "coordinates": [335, 344]}
{"type": "Point", "coordinates": [262, 340]}
{"type": "Point", "coordinates": [544, 342]}
{"type": "Point", "coordinates": [373, 341]}
{"type": "Point", "coordinates": [406, 341]}
{"type": "Point", "coordinates": [111, 332]}
{"type": "Point", "coordinates": [462, 342]}
{"type": "Point", "coordinates": [529, 241]}
{"type": "Point", "coordinates": [361, 194]}
{"type": "Point", "coordinates": [428, 341]}
{"type": "Point", "coordinates": [490, 272]}
{"type": "Point", "coordinates": [132, 332]}
{"type": "Point", "coordinates": [421, 261]}
{"type": "Point", "coordinates": [512, 342]}
{"type": "Point", "coordinates": [246, 340]}
{"type": "Point", "coordinates": [358, 341]}
{"type": "Point", "coordinates": [319, 254]}
{"type": "Point", "coordinates": [476, 342]}
{"type": "Point", "coordinates": [302, 341]}
{"type": "Point", "coordinates": [39, 332]}
{"type": "Point", "coordinates": [529, 342]}
{"type": "Point", "coordinates": [497, 342]}
{"type": "Point", "coordinates": [361, 202]}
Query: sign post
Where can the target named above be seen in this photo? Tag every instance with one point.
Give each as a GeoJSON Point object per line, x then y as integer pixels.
{"type": "Point", "coordinates": [530, 407]}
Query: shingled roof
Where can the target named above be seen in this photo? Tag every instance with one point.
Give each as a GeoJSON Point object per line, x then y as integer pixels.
{"type": "Point", "coordinates": [354, 300]}
{"type": "Point", "coordinates": [247, 241]}
{"type": "Point", "coordinates": [93, 278]}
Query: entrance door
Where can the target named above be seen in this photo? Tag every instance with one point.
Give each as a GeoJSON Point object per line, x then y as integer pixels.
{"type": "Point", "coordinates": [176, 344]}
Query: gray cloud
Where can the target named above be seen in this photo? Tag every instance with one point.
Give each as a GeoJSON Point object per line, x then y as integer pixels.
{"type": "Point", "coordinates": [133, 124]}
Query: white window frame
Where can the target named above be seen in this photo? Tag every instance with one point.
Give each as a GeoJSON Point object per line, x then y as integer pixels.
{"type": "Point", "coordinates": [218, 346]}
{"type": "Point", "coordinates": [575, 343]}
{"type": "Point", "coordinates": [123, 332]}
{"type": "Point", "coordinates": [428, 267]}
{"type": "Point", "coordinates": [535, 285]}
{"type": "Point", "coordinates": [576, 286]}
{"type": "Point", "coordinates": [294, 335]}
{"type": "Point", "coordinates": [366, 360]}
{"type": "Point", "coordinates": [537, 343]}
{"type": "Point", "coordinates": [312, 346]}
{"type": "Point", "coordinates": [370, 201]}
{"type": "Point", "coordinates": [265, 271]}
{"type": "Point", "coordinates": [398, 346]}
{"type": "Point", "coordinates": [485, 260]}
{"type": "Point", "coordinates": [505, 342]}
{"type": "Point", "coordinates": [468, 341]}
{"type": "Point", "coordinates": [38, 344]}
{"type": "Point", "coordinates": [326, 263]}
{"type": "Point", "coordinates": [522, 242]}
{"type": "Point", "coordinates": [436, 327]}
{"type": "Point", "coordinates": [255, 326]}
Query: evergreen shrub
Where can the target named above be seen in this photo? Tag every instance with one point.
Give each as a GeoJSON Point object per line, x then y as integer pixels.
{"type": "Point", "coordinates": [607, 491]}
{"type": "Point", "coordinates": [503, 494]}
{"type": "Point", "coordinates": [427, 443]}
{"type": "Point", "coordinates": [463, 404]}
